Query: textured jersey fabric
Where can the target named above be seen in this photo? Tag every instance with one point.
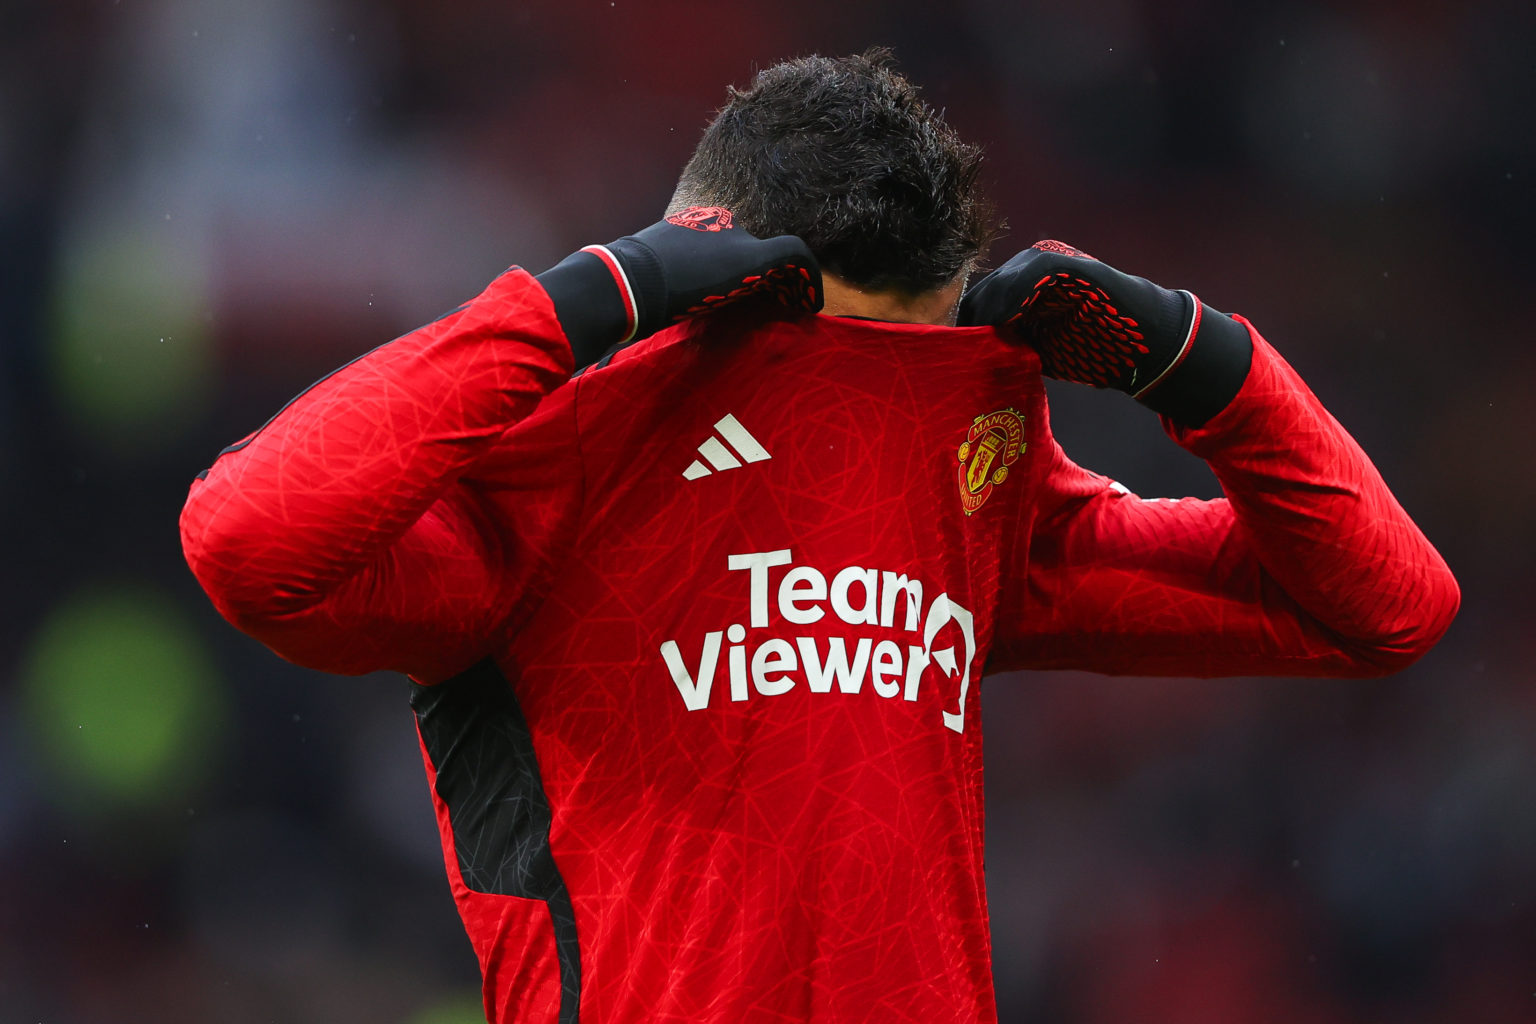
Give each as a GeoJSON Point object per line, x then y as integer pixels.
{"type": "Point", "coordinates": [698, 634]}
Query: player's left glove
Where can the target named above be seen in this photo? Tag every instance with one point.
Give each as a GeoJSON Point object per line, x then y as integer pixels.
{"type": "Point", "coordinates": [694, 261]}
{"type": "Point", "coordinates": [1092, 324]}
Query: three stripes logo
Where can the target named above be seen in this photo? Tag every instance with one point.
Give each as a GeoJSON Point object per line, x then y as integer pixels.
{"type": "Point", "coordinates": [737, 446]}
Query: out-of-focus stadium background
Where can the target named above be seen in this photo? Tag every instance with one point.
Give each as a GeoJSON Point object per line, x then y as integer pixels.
{"type": "Point", "coordinates": [205, 204]}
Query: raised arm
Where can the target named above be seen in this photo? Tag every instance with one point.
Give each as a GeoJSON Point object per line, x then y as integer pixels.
{"type": "Point", "coordinates": [1308, 566]}
{"type": "Point", "coordinates": [347, 533]}
{"type": "Point", "coordinates": [336, 535]}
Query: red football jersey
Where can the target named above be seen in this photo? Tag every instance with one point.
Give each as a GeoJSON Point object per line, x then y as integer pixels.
{"type": "Point", "coordinates": [698, 634]}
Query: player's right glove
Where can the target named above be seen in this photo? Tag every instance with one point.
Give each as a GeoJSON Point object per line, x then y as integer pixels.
{"type": "Point", "coordinates": [1092, 324]}
{"type": "Point", "coordinates": [694, 261]}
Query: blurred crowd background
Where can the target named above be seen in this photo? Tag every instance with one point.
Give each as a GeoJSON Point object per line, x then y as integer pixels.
{"type": "Point", "coordinates": [206, 204]}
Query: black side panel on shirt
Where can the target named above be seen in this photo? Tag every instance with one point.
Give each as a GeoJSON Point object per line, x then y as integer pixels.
{"type": "Point", "coordinates": [488, 776]}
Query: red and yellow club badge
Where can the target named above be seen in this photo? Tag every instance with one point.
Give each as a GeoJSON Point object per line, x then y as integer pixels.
{"type": "Point", "coordinates": [995, 441]}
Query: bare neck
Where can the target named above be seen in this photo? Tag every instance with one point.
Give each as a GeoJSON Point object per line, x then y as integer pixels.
{"type": "Point", "coordinates": [938, 306]}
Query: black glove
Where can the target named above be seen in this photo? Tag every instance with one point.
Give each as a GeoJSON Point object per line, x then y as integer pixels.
{"type": "Point", "coordinates": [1094, 325]}
{"type": "Point", "coordinates": [691, 262]}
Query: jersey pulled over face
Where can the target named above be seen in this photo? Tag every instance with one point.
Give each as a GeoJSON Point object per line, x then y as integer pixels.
{"type": "Point", "coordinates": [762, 566]}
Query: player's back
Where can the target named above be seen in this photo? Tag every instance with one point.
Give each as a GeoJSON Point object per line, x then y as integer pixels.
{"type": "Point", "coordinates": [746, 677]}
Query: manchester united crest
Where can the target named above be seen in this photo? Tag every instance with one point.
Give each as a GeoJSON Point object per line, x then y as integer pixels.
{"type": "Point", "coordinates": [994, 443]}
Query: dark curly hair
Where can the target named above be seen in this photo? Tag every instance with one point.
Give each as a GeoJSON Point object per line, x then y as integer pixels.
{"type": "Point", "coordinates": [844, 153]}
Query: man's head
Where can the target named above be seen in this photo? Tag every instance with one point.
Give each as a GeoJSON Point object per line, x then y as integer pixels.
{"type": "Point", "coordinates": [843, 152]}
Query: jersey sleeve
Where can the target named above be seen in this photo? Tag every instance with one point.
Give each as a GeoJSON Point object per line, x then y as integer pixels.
{"type": "Point", "coordinates": [1307, 567]}
{"type": "Point", "coordinates": [349, 533]}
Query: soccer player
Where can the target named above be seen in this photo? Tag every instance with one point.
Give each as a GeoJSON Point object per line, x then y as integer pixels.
{"type": "Point", "coordinates": [696, 634]}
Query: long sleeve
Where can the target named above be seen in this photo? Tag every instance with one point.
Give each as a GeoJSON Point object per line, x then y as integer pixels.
{"type": "Point", "coordinates": [340, 533]}
{"type": "Point", "coordinates": [1308, 566]}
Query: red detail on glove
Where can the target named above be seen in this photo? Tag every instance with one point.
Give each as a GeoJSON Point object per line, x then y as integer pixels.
{"type": "Point", "coordinates": [790, 286]}
{"type": "Point", "coordinates": [1091, 341]}
{"type": "Point", "coordinates": [702, 218]}
{"type": "Point", "coordinates": [1051, 245]}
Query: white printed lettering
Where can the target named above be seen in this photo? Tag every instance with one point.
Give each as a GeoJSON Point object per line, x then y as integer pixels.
{"type": "Point", "coordinates": [774, 656]}
{"type": "Point", "coordinates": [917, 663]}
{"type": "Point", "coordinates": [819, 675]}
{"type": "Point", "coordinates": [695, 689]}
{"type": "Point", "coordinates": [941, 613]}
{"type": "Point", "coordinates": [892, 584]}
{"type": "Point", "coordinates": [868, 580]}
{"type": "Point", "coordinates": [777, 664]}
{"type": "Point", "coordinates": [736, 658]}
{"type": "Point", "coordinates": [759, 562]}
{"type": "Point", "coordinates": [791, 593]}
{"type": "Point", "coordinates": [886, 662]}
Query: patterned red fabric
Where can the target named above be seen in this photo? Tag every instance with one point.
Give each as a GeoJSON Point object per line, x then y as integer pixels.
{"type": "Point", "coordinates": [745, 580]}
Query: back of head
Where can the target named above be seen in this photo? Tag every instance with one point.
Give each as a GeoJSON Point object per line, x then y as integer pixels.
{"type": "Point", "coordinates": [844, 153]}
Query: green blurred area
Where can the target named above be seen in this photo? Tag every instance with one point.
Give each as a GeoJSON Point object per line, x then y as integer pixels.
{"type": "Point", "coordinates": [463, 1008]}
{"type": "Point", "coordinates": [130, 358]}
{"type": "Point", "coordinates": [122, 700]}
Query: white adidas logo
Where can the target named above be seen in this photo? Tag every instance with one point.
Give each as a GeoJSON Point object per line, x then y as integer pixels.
{"type": "Point", "coordinates": [717, 454]}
